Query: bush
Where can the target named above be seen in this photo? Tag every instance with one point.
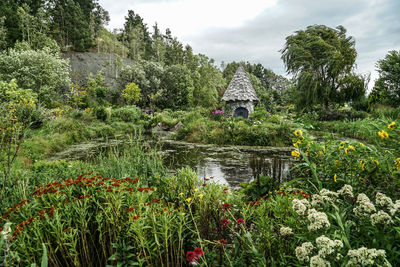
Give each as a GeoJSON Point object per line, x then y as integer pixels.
{"type": "Point", "coordinates": [126, 114]}
{"type": "Point", "coordinates": [102, 113]}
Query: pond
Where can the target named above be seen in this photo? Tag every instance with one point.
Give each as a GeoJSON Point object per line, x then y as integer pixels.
{"type": "Point", "coordinates": [230, 165]}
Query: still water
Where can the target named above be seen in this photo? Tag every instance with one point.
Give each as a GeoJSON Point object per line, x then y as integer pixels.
{"type": "Point", "coordinates": [230, 165]}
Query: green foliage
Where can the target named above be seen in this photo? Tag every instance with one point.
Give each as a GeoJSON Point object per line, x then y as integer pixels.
{"type": "Point", "coordinates": [386, 89]}
{"type": "Point", "coordinates": [126, 114]}
{"type": "Point", "coordinates": [102, 113]}
{"type": "Point", "coordinates": [45, 73]}
{"type": "Point", "coordinates": [131, 93]}
{"type": "Point", "coordinates": [322, 60]}
{"type": "Point", "coordinates": [97, 90]}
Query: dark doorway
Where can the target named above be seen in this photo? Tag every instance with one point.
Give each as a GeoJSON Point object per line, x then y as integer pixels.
{"type": "Point", "coordinates": [242, 112]}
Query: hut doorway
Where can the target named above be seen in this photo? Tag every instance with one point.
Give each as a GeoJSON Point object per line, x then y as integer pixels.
{"type": "Point", "coordinates": [242, 112]}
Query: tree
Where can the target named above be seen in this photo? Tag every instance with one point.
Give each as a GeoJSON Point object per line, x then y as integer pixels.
{"type": "Point", "coordinates": [320, 58]}
{"type": "Point", "coordinates": [17, 107]}
{"type": "Point", "coordinates": [387, 86]}
{"type": "Point", "coordinates": [131, 93]}
{"type": "Point", "coordinates": [177, 87]}
{"type": "Point", "coordinates": [47, 74]}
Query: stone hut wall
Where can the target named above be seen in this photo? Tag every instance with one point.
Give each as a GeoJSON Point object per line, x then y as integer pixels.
{"type": "Point", "coordinates": [231, 106]}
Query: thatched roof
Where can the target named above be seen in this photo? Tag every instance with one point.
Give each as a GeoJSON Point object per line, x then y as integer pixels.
{"type": "Point", "coordinates": [240, 88]}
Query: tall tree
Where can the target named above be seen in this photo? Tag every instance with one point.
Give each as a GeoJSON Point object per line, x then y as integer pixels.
{"type": "Point", "coordinates": [387, 86]}
{"type": "Point", "coordinates": [320, 58]}
{"type": "Point", "coordinates": [136, 37]}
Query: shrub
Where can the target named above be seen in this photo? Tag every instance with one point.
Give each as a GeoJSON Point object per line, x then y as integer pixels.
{"type": "Point", "coordinates": [126, 114]}
{"type": "Point", "coordinates": [102, 113]}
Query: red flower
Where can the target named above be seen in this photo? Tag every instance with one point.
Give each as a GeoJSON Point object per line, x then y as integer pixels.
{"type": "Point", "coordinates": [240, 221]}
{"type": "Point", "coordinates": [226, 206]}
{"type": "Point", "coordinates": [199, 252]}
{"type": "Point", "coordinates": [190, 256]}
{"type": "Point", "coordinates": [51, 211]}
{"type": "Point", "coordinates": [223, 241]}
{"type": "Point", "coordinates": [224, 222]}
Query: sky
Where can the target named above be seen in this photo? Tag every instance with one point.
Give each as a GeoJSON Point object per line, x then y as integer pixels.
{"type": "Point", "coordinates": [255, 30]}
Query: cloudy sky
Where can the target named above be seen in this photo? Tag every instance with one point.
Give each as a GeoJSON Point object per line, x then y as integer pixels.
{"type": "Point", "coordinates": [255, 30]}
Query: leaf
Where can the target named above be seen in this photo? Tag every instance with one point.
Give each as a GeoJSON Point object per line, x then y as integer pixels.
{"type": "Point", "coordinates": [44, 257]}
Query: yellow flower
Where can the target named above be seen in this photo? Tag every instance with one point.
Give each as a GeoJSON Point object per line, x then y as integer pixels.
{"type": "Point", "coordinates": [195, 190]}
{"type": "Point", "coordinates": [298, 132]}
{"type": "Point", "coordinates": [296, 145]}
{"type": "Point", "coordinates": [346, 151]}
{"type": "Point", "coordinates": [296, 154]}
{"type": "Point", "coordinates": [376, 162]}
{"type": "Point", "coordinates": [342, 144]}
{"type": "Point", "coordinates": [390, 126]}
{"type": "Point", "coordinates": [181, 194]}
{"type": "Point", "coordinates": [334, 177]}
{"type": "Point", "coordinates": [189, 199]}
{"type": "Point", "coordinates": [352, 148]}
{"type": "Point", "coordinates": [383, 134]}
{"type": "Point", "coordinates": [397, 162]}
{"type": "Point", "coordinates": [200, 196]}
{"type": "Point", "coordinates": [182, 214]}
{"type": "Point", "coordinates": [362, 163]}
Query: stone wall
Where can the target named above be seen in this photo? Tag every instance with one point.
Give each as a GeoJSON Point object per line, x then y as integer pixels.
{"type": "Point", "coordinates": [84, 63]}
{"type": "Point", "coordinates": [231, 106]}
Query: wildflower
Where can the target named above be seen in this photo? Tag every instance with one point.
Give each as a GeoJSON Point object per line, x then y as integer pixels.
{"type": "Point", "coordinates": [317, 261]}
{"type": "Point", "coordinates": [222, 241]}
{"type": "Point", "coordinates": [383, 200]}
{"type": "Point", "coordinates": [300, 206]}
{"type": "Point", "coordinates": [181, 194]}
{"type": "Point", "coordinates": [296, 154]}
{"type": "Point", "coordinates": [286, 231]}
{"type": "Point", "coordinates": [327, 246]}
{"type": "Point", "coordinates": [195, 190]}
{"type": "Point", "coordinates": [303, 252]}
{"type": "Point", "coordinates": [364, 206]}
{"type": "Point", "coordinates": [298, 132]}
{"type": "Point", "coordinates": [318, 220]}
{"type": "Point", "coordinates": [201, 196]}
{"type": "Point", "coordinates": [381, 218]}
{"type": "Point", "coordinates": [296, 145]}
{"type": "Point", "coordinates": [390, 126]}
{"type": "Point", "coordinates": [328, 196]}
{"type": "Point", "coordinates": [397, 162]}
{"type": "Point", "coordinates": [395, 208]}
{"type": "Point", "coordinates": [226, 207]}
{"type": "Point", "coordinates": [192, 256]}
{"type": "Point", "coordinates": [182, 213]}
{"type": "Point", "coordinates": [346, 191]}
{"type": "Point", "coordinates": [316, 201]}
{"type": "Point", "coordinates": [224, 222]}
{"type": "Point", "coordinates": [334, 178]}
{"type": "Point", "coordinates": [366, 257]}
{"type": "Point", "coordinates": [188, 199]}
{"type": "Point", "coordinates": [240, 221]}
{"type": "Point", "coordinates": [383, 134]}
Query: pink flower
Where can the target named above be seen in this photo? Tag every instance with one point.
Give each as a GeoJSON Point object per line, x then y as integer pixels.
{"type": "Point", "coordinates": [192, 256]}
{"type": "Point", "coordinates": [224, 222]}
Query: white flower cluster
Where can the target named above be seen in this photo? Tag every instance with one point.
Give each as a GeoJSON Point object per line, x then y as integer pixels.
{"type": "Point", "coordinates": [327, 246]}
{"type": "Point", "coordinates": [300, 206]}
{"type": "Point", "coordinates": [367, 257]}
{"type": "Point", "coordinates": [364, 206]}
{"type": "Point", "coordinates": [381, 218]}
{"type": "Point", "coordinates": [346, 191]}
{"type": "Point", "coordinates": [317, 261]}
{"type": "Point", "coordinates": [318, 220]}
{"type": "Point", "coordinates": [286, 231]}
{"type": "Point", "coordinates": [316, 201]}
{"type": "Point", "coordinates": [383, 201]}
{"type": "Point", "coordinates": [395, 208]}
{"type": "Point", "coordinates": [328, 196]}
{"type": "Point", "coordinates": [303, 252]}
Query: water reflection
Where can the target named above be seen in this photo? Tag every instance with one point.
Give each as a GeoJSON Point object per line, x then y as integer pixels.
{"type": "Point", "coordinates": [228, 165]}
